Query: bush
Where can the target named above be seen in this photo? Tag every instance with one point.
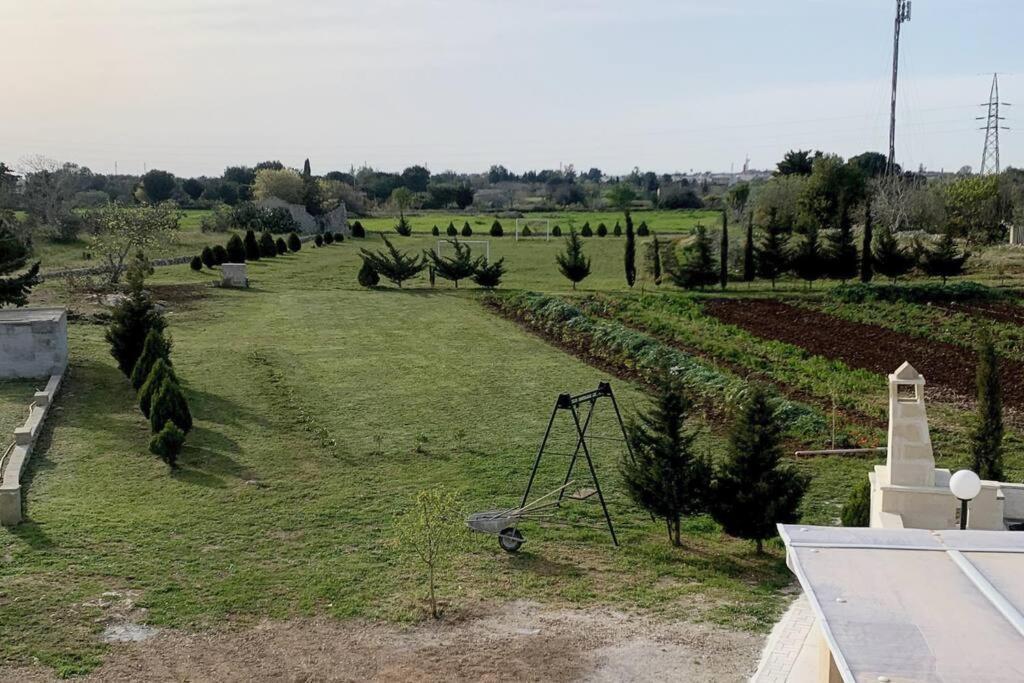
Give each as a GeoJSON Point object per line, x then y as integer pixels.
{"type": "Point", "coordinates": [268, 249]}
{"type": "Point", "coordinates": [328, 238]}
{"type": "Point", "coordinates": [856, 510]}
{"type": "Point", "coordinates": [318, 240]}
{"type": "Point", "coordinates": [169, 405]}
{"type": "Point", "coordinates": [642, 230]}
{"type": "Point", "coordinates": [617, 230]}
{"type": "Point", "coordinates": [526, 232]}
{"type": "Point", "coordinates": [358, 230]}
{"type": "Point", "coordinates": [196, 263]}
{"type": "Point", "coordinates": [435, 231]}
{"type": "Point", "coordinates": [961, 292]}
{"type": "Point", "coordinates": [393, 264]}
{"type": "Point", "coordinates": [252, 246]}
{"type": "Point", "coordinates": [496, 229]}
{"type": "Point", "coordinates": [602, 230]}
{"type": "Point", "coordinates": [556, 231]}
{"type": "Point", "coordinates": [488, 275]}
{"type": "Point", "coordinates": [235, 250]}
{"type": "Point", "coordinates": [339, 237]}
{"type": "Point", "coordinates": [167, 443]}
{"type": "Point", "coordinates": [133, 318]}
{"type": "Point", "coordinates": [281, 246]}
{"type": "Point", "coordinates": [220, 254]}
{"type": "Point", "coordinates": [587, 231]}
{"type": "Point", "coordinates": [466, 230]}
{"type": "Point", "coordinates": [367, 276]}
{"type": "Point", "coordinates": [208, 258]}
{"type": "Point", "coordinates": [160, 372]}
{"type": "Point", "coordinates": [403, 227]}
{"type": "Point", "coordinates": [451, 231]}
{"type": "Point", "coordinates": [155, 347]}
{"type": "Point", "coordinates": [294, 243]}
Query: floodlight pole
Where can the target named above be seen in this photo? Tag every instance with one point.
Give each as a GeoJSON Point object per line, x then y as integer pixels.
{"type": "Point", "coordinates": [902, 15]}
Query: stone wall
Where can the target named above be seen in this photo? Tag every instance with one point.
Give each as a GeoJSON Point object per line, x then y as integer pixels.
{"type": "Point", "coordinates": [335, 221]}
{"type": "Point", "coordinates": [33, 342]}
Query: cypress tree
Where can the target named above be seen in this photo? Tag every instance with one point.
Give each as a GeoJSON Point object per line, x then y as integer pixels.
{"type": "Point", "coordinates": [555, 231]}
{"type": "Point", "coordinates": [602, 230]}
{"type": "Point", "coordinates": [318, 240]}
{"type": "Point", "coordinates": [656, 260]}
{"type": "Point", "coordinates": [842, 250]}
{"type": "Point", "coordinates": [155, 347]}
{"type": "Point", "coordinates": [723, 252]}
{"type": "Point", "coordinates": [572, 263]}
{"type": "Point", "coordinates": [394, 265]}
{"type": "Point", "coordinates": [466, 230]}
{"type": "Point", "coordinates": [196, 263]}
{"type": "Point", "coordinates": [773, 252]}
{"type": "Point", "coordinates": [132, 320]}
{"type": "Point", "coordinates": [451, 231]}
{"type": "Point", "coordinates": [944, 260]}
{"type": "Point", "coordinates": [294, 243]}
{"type": "Point", "coordinates": [281, 246]}
{"type": "Point", "coordinates": [867, 271]}
{"type": "Point", "coordinates": [749, 264]}
{"type": "Point", "coordinates": [167, 444]}
{"type": "Point", "coordinates": [457, 267]}
{"type": "Point", "coordinates": [367, 276]}
{"type": "Point", "coordinates": [14, 253]}
{"type": "Point", "coordinates": [158, 374]}
{"type": "Point", "coordinates": [169, 405]}
{"type": "Point", "coordinates": [856, 511]}
{"type": "Point", "coordinates": [987, 435]}
{"type": "Point", "coordinates": [209, 260]}
{"type": "Point", "coordinates": [358, 230]}
{"type": "Point", "coordinates": [664, 476]}
{"type": "Point", "coordinates": [617, 230]}
{"type": "Point", "coordinates": [235, 250]}
{"type": "Point", "coordinates": [643, 230]}
{"type": "Point", "coordinates": [698, 267]}
{"type": "Point", "coordinates": [220, 254]}
{"type": "Point", "coordinates": [435, 231]}
{"type": "Point", "coordinates": [252, 247]}
{"type": "Point", "coordinates": [808, 263]}
{"type": "Point", "coordinates": [267, 246]}
{"type": "Point", "coordinates": [586, 231]}
{"type": "Point", "coordinates": [496, 229]}
{"type": "Point", "coordinates": [889, 258]}
{"type": "Point", "coordinates": [630, 254]}
{"type": "Point", "coordinates": [328, 238]}
{"type": "Point", "coordinates": [752, 492]}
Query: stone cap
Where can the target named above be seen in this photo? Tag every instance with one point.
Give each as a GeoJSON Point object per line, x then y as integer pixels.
{"type": "Point", "coordinates": [32, 315]}
{"type": "Point", "coordinates": [907, 374]}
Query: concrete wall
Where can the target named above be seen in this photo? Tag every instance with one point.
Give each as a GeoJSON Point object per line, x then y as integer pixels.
{"type": "Point", "coordinates": [13, 461]}
{"type": "Point", "coordinates": [33, 342]}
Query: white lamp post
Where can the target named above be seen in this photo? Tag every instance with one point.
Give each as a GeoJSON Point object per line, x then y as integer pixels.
{"type": "Point", "coordinates": [966, 486]}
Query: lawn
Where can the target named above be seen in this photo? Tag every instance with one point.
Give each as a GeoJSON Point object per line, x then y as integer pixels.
{"type": "Point", "coordinates": [15, 399]}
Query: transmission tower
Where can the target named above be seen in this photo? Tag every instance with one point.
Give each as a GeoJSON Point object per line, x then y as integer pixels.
{"type": "Point", "coordinates": [902, 16]}
{"type": "Point", "coordinates": [990, 156]}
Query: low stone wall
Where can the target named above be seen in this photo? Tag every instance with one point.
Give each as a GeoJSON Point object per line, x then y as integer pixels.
{"type": "Point", "coordinates": [33, 342]}
{"type": "Point", "coordinates": [15, 456]}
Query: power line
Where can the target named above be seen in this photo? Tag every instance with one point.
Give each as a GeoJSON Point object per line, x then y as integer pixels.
{"type": "Point", "coordinates": [993, 124]}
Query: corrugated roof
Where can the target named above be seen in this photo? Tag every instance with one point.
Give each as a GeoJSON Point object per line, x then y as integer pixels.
{"type": "Point", "coordinates": [915, 605]}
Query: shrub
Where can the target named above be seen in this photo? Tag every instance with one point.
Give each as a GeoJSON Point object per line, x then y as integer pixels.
{"type": "Point", "coordinates": [496, 229]}
{"type": "Point", "coordinates": [294, 243]}
{"type": "Point", "coordinates": [168, 443]}
{"type": "Point", "coordinates": [960, 292]}
{"type": "Point", "coordinates": [602, 230]}
{"type": "Point", "coordinates": [403, 227]}
{"type": "Point", "coordinates": [235, 250]}
{"type": "Point", "coordinates": [556, 231]}
{"type": "Point", "coordinates": [466, 230]}
{"type": "Point", "coordinates": [572, 263]}
{"type": "Point", "coordinates": [358, 230]}
{"type": "Point", "coordinates": [435, 231]}
{"type": "Point", "coordinates": [281, 246]}
{"type": "Point", "coordinates": [986, 447]}
{"type": "Point", "coordinates": [450, 230]}
{"type": "Point", "coordinates": [328, 238]}
{"type": "Point", "coordinates": [155, 347]}
{"type": "Point", "coordinates": [132, 320]}
{"type": "Point", "coordinates": [196, 263]}
{"type": "Point", "coordinates": [642, 230]}
{"type": "Point", "coordinates": [488, 275]}
{"type": "Point", "coordinates": [617, 230]}
{"type": "Point", "coordinates": [856, 510]}
{"type": "Point", "coordinates": [169, 405]}
{"type": "Point", "coordinates": [587, 231]}
{"type": "Point", "coordinates": [456, 267]}
{"type": "Point", "coordinates": [158, 374]}
{"type": "Point", "coordinates": [208, 258]}
{"type": "Point", "coordinates": [339, 237]}
{"type": "Point", "coordinates": [526, 232]}
{"type": "Point", "coordinates": [318, 240]}
{"type": "Point", "coordinates": [220, 254]}
{"type": "Point", "coordinates": [395, 265]}
{"type": "Point", "coordinates": [268, 249]}
{"type": "Point", "coordinates": [368, 277]}
{"type": "Point", "coordinates": [698, 267]}
{"type": "Point", "coordinates": [252, 246]}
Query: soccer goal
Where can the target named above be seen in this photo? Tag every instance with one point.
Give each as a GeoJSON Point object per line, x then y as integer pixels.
{"type": "Point", "coordinates": [529, 228]}
{"type": "Point", "coordinates": [442, 244]}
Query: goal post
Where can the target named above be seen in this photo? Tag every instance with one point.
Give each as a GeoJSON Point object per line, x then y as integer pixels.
{"type": "Point", "coordinates": [533, 228]}
{"type": "Point", "coordinates": [450, 243]}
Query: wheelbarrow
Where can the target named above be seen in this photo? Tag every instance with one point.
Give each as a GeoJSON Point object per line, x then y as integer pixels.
{"type": "Point", "coordinates": [504, 523]}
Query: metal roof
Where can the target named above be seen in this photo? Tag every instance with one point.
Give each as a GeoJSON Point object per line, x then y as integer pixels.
{"type": "Point", "coordinates": [913, 604]}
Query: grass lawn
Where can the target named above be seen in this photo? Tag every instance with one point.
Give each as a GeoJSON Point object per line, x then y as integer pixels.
{"type": "Point", "coordinates": [15, 399]}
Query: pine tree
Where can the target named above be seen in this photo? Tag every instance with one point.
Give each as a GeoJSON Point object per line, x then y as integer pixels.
{"type": "Point", "coordinates": [617, 230]}
{"type": "Point", "coordinates": [294, 243]}
{"type": "Point", "coordinates": [155, 347]}
{"type": "Point", "coordinates": [656, 260]}
{"type": "Point", "coordinates": [749, 264]}
{"type": "Point", "coordinates": [235, 249]}
{"type": "Point", "coordinates": [169, 405]}
{"type": "Point", "coordinates": [889, 258]}
{"type": "Point", "coordinates": [572, 263]}
{"type": "Point", "coordinates": [723, 252]}
{"type": "Point", "coordinates": [367, 276]}
{"type": "Point", "coordinates": [168, 443]}
{"type": "Point", "coordinates": [496, 229]}
{"type": "Point", "coordinates": [132, 319]}
{"type": "Point", "coordinates": [358, 231]}
{"type": "Point", "coordinates": [220, 254]}
{"type": "Point", "coordinates": [281, 246]}
{"type": "Point", "coordinates": [643, 230]}
{"type": "Point", "coordinates": [773, 252]}
{"type": "Point", "coordinates": [945, 259]}
{"type": "Point", "coordinates": [451, 231]}
{"type": "Point", "coordinates": [987, 434]}
{"type": "Point", "coordinates": [267, 247]}
{"type": "Point", "coordinates": [842, 250]}
{"type": "Point", "coordinates": [456, 267]}
{"type": "Point", "coordinates": [867, 262]}
{"type": "Point", "coordinates": [586, 231]}
{"type": "Point", "coordinates": [555, 231]}
{"type": "Point", "coordinates": [488, 275]}
{"type": "Point", "coordinates": [698, 269]}
{"type": "Point", "coordinates": [752, 492]}
{"type": "Point", "coordinates": [808, 261]}
{"type": "Point", "coordinates": [394, 265]}
{"type": "Point", "coordinates": [403, 227]}
{"type": "Point", "coordinates": [602, 230]}
{"type": "Point", "coordinates": [252, 246]}
{"type": "Point", "coordinates": [466, 230]}
{"type": "Point", "coordinates": [435, 231]}
{"type": "Point", "coordinates": [14, 254]}
{"type": "Point", "coordinates": [664, 476]}
{"type": "Point", "coordinates": [160, 372]}
{"type": "Point", "coordinates": [209, 260]}
{"type": "Point", "coordinates": [630, 254]}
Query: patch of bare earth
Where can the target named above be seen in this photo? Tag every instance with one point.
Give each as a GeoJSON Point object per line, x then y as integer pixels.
{"type": "Point", "coordinates": [520, 641]}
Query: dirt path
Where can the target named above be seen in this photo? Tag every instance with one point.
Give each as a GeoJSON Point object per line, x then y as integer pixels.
{"type": "Point", "coordinates": [519, 641]}
{"type": "Point", "coordinates": [870, 347]}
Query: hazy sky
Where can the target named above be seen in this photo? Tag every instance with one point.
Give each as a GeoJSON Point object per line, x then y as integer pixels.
{"type": "Point", "coordinates": [670, 85]}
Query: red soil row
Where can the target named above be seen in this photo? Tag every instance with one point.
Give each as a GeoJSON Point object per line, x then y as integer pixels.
{"type": "Point", "coordinates": [868, 347]}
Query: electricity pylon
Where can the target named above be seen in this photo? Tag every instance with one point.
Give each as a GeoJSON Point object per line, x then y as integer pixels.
{"type": "Point", "coordinates": [990, 156]}
{"type": "Point", "coordinates": [902, 16]}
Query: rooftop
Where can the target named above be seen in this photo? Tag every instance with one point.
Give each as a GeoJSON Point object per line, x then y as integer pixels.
{"type": "Point", "coordinates": [30, 315]}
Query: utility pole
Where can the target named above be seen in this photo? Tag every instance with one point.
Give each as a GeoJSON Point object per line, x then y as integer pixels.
{"type": "Point", "coordinates": [902, 15]}
{"type": "Point", "coordinates": [990, 155]}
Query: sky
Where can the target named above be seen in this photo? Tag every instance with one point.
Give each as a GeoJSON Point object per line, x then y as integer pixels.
{"type": "Point", "coordinates": [193, 86]}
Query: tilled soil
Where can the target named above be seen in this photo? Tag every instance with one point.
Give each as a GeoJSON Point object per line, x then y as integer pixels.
{"type": "Point", "coordinates": [948, 367]}
{"type": "Point", "coordinates": [520, 641]}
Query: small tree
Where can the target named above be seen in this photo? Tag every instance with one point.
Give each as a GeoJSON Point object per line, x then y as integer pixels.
{"type": "Point", "coordinates": [358, 230]}
{"type": "Point", "coordinates": [723, 252]}
{"type": "Point", "coordinates": [168, 444]}
{"type": "Point", "coordinates": [749, 262]}
{"type": "Point", "coordinates": [586, 231]}
{"type": "Point", "coordinates": [773, 252]}
{"type": "Point", "coordinates": [488, 275]}
{"type": "Point", "coordinates": [401, 198]}
{"type": "Point", "coordinates": [169, 405]}
{"type": "Point", "coordinates": [842, 250]}
{"type": "Point", "coordinates": [367, 276]}
{"type": "Point", "coordinates": [294, 243]}
{"type": "Point", "coordinates": [450, 230]}
{"type": "Point", "coordinates": [656, 260]}
{"type": "Point", "coordinates": [430, 533]}
{"type": "Point", "coordinates": [466, 230]}
{"type": "Point", "coordinates": [572, 263]}
{"type": "Point", "coordinates": [268, 249]}
{"type": "Point", "coordinates": [281, 246]}
{"type": "Point", "coordinates": [435, 231]}
{"type": "Point", "coordinates": [752, 492]}
{"type": "Point", "coordinates": [158, 374]}
{"type": "Point", "coordinates": [155, 347]}
{"type": "Point", "coordinates": [252, 246]}
{"type": "Point", "coordinates": [602, 230]}
{"type": "Point", "coordinates": [630, 253]}
{"type": "Point", "coordinates": [856, 512]}
{"type": "Point", "coordinates": [664, 476]}
{"type": "Point", "coordinates": [207, 257]}
{"type": "Point", "coordinates": [808, 261]}
{"type": "Point", "coordinates": [318, 240]}
{"type": "Point", "coordinates": [394, 265]}
{"type": "Point", "coordinates": [121, 230]}
{"type": "Point", "coordinates": [987, 434]}
{"type": "Point", "coordinates": [617, 230]}
{"type": "Point", "coordinates": [328, 238]}
{"type": "Point", "coordinates": [196, 264]}
{"type": "Point", "coordinates": [889, 258]}
{"type": "Point", "coordinates": [496, 229]}
{"type": "Point", "coordinates": [945, 259]}
{"type": "Point", "coordinates": [457, 267]}
{"type": "Point", "coordinates": [132, 319]}
{"type": "Point", "coordinates": [235, 249]}
{"type": "Point", "coordinates": [555, 231]}
{"type": "Point", "coordinates": [339, 237]}
{"type": "Point", "coordinates": [867, 262]}
{"type": "Point", "coordinates": [698, 268]}
{"type": "Point", "coordinates": [220, 254]}
{"type": "Point", "coordinates": [643, 230]}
